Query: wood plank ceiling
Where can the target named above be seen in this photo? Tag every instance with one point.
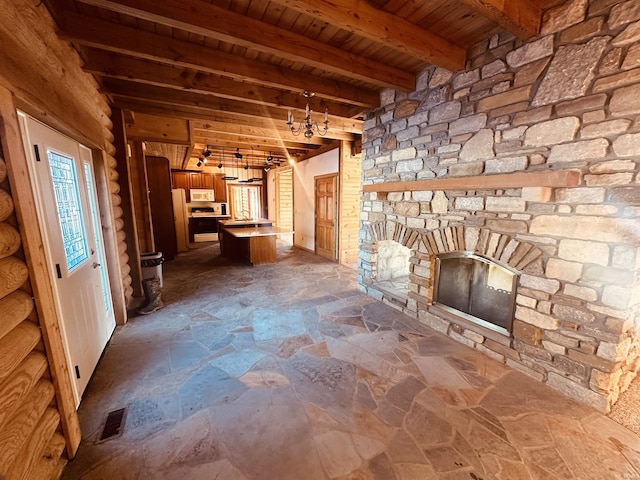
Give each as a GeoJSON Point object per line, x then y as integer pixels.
{"type": "Point", "coordinates": [228, 71]}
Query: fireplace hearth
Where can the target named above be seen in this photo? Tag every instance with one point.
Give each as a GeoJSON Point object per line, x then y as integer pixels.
{"type": "Point", "coordinates": [476, 288]}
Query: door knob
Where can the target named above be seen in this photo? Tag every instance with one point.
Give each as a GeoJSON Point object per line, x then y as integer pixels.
{"type": "Point", "coordinates": [96, 264]}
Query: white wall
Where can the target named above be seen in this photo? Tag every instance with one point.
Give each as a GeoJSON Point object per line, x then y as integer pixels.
{"type": "Point", "coordinates": [304, 195]}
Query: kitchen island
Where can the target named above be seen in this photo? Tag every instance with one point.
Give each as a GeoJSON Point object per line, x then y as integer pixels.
{"type": "Point", "coordinates": [252, 241]}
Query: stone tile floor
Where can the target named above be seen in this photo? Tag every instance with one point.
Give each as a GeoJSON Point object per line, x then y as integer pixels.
{"type": "Point", "coordinates": [286, 371]}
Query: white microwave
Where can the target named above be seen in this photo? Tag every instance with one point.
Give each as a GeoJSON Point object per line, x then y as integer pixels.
{"type": "Point", "coordinates": [202, 195]}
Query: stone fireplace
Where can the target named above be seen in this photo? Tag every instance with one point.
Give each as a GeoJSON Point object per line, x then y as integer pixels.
{"type": "Point", "coordinates": [517, 181]}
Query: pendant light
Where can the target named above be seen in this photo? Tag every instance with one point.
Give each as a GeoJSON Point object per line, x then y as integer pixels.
{"type": "Point", "coordinates": [228, 177]}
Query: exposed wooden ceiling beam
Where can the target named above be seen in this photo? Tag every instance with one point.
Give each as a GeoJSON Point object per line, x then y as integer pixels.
{"type": "Point", "coordinates": [234, 140]}
{"type": "Point", "coordinates": [521, 17]}
{"type": "Point", "coordinates": [153, 128]}
{"type": "Point", "coordinates": [150, 73]}
{"type": "Point", "coordinates": [215, 22]}
{"type": "Point", "coordinates": [271, 131]}
{"type": "Point", "coordinates": [253, 142]}
{"type": "Point", "coordinates": [118, 38]}
{"type": "Point", "coordinates": [208, 104]}
{"type": "Point", "coordinates": [249, 131]}
{"type": "Point", "coordinates": [384, 28]}
{"type": "Point", "coordinates": [223, 148]}
{"type": "Point", "coordinates": [221, 152]}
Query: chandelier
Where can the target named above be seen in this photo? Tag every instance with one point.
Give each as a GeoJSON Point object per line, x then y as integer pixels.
{"type": "Point", "coordinates": [308, 126]}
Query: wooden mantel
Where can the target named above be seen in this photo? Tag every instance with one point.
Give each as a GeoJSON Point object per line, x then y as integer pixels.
{"type": "Point", "coordinates": [564, 178]}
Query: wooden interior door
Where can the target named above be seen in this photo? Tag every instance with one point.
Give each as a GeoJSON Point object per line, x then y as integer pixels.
{"type": "Point", "coordinates": [326, 208]}
{"type": "Point", "coordinates": [161, 204]}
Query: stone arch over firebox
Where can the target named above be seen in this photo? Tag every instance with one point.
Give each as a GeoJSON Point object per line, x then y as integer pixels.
{"type": "Point", "coordinates": [374, 235]}
{"type": "Point", "coordinates": [390, 230]}
{"type": "Point", "coordinates": [499, 247]}
{"type": "Point", "coordinates": [426, 244]}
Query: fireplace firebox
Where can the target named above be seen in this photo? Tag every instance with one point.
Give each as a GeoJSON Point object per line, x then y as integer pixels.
{"type": "Point", "coordinates": [476, 288]}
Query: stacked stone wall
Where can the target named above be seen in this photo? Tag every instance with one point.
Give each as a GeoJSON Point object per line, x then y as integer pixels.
{"type": "Point", "coordinates": [568, 99]}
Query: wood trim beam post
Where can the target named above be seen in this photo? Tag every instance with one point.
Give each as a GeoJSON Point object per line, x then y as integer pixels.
{"type": "Point", "coordinates": [192, 145]}
{"type": "Point", "coordinates": [523, 18]}
{"type": "Point", "coordinates": [140, 197]}
{"type": "Point", "coordinates": [109, 234]}
{"type": "Point", "coordinates": [561, 178]}
{"type": "Point", "coordinates": [128, 217]}
{"type": "Point", "coordinates": [349, 204]}
{"type": "Point", "coordinates": [25, 208]}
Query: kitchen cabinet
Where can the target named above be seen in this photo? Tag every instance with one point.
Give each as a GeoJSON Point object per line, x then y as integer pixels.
{"type": "Point", "coordinates": [180, 180]}
{"type": "Point", "coordinates": [200, 180]}
{"type": "Point", "coordinates": [220, 187]}
{"type": "Point", "coordinates": [187, 179]}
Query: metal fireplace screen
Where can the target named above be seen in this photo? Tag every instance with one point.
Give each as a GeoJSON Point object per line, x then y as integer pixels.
{"type": "Point", "coordinates": [476, 288]}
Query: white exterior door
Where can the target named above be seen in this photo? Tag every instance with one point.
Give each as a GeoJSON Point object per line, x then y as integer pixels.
{"type": "Point", "coordinates": [63, 181]}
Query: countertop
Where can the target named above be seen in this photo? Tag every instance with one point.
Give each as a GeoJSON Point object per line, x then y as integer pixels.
{"type": "Point", "coordinates": [256, 231]}
{"type": "Point", "coordinates": [213, 215]}
{"type": "Point", "coordinates": [244, 223]}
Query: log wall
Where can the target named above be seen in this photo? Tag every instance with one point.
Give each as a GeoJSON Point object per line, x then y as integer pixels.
{"type": "Point", "coordinates": [31, 439]}
{"type": "Point", "coordinates": [42, 76]}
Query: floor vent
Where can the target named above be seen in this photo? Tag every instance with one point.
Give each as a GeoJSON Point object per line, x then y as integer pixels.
{"type": "Point", "coordinates": [113, 424]}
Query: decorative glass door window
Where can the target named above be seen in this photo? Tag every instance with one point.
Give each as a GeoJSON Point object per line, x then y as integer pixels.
{"type": "Point", "coordinates": [74, 235]}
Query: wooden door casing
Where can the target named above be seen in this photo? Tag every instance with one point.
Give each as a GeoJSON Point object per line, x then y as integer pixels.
{"type": "Point", "coordinates": [326, 210]}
